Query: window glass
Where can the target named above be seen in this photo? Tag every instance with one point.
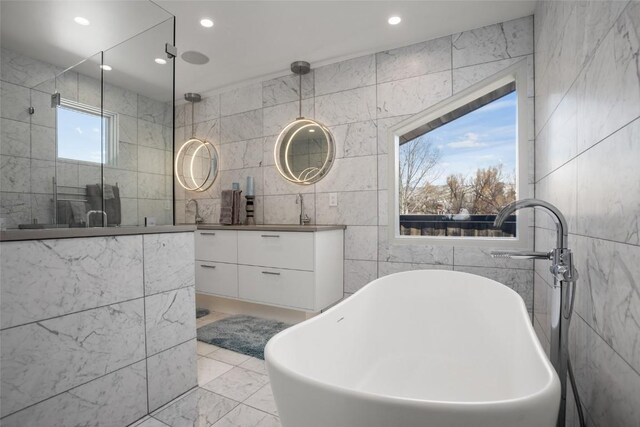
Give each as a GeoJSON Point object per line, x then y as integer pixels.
{"type": "Point", "coordinates": [457, 171]}
{"type": "Point", "coordinates": [80, 135]}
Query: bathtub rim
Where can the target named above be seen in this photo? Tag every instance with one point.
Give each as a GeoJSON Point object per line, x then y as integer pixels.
{"type": "Point", "coordinates": [551, 385]}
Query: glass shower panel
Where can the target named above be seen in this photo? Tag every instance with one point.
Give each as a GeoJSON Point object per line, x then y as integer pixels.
{"type": "Point", "coordinates": [79, 134]}
{"type": "Point", "coordinates": [138, 95]}
{"type": "Point", "coordinates": [42, 166]}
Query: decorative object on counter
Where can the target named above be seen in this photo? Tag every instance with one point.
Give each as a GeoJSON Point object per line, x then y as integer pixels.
{"type": "Point", "coordinates": [244, 334]}
{"type": "Point", "coordinates": [250, 220]}
{"type": "Point", "coordinates": [250, 189]}
{"type": "Point", "coordinates": [196, 165]}
{"type": "Point", "coordinates": [230, 202]}
{"type": "Point", "coordinates": [305, 149]}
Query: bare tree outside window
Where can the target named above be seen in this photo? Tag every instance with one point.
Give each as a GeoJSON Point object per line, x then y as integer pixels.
{"type": "Point", "coordinates": [418, 161]}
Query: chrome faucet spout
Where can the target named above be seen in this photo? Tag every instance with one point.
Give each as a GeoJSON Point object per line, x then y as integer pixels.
{"type": "Point", "coordinates": [562, 231]}
{"type": "Point", "coordinates": [304, 218]}
{"type": "Point", "coordinates": [198, 219]}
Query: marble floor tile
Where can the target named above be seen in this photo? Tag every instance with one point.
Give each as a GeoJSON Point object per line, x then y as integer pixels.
{"type": "Point", "coordinates": [209, 369]}
{"type": "Point", "coordinates": [203, 348]}
{"type": "Point", "coordinates": [245, 416]}
{"type": "Point", "coordinates": [237, 384]}
{"type": "Point", "coordinates": [228, 356]}
{"type": "Point", "coordinates": [198, 408]}
{"type": "Point", "coordinates": [263, 400]}
{"type": "Point", "coordinates": [255, 364]}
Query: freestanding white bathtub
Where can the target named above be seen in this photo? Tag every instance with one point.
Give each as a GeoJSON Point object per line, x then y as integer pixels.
{"type": "Point", "coordinates": [421, 348]}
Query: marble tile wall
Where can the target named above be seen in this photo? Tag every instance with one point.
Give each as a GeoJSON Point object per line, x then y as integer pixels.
{"type": "Point", "coordinates": [586, 151]}
{"type": "Point", "coordinates": [89, 334]}
{"type": "Point", "coordinates": [142, 170]}
{"type": "Point", "coordinates": [358, 100]}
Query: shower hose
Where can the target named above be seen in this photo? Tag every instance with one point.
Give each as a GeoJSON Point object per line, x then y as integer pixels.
{"type": "Point", "coordinates": [572, 379]}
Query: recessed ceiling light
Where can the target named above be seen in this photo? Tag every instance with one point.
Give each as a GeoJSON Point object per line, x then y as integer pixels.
{"type": "Point", "coordinates": [82, 21]}
{"type": "Point", "coordinates": [106, 67]}
{"type": "Point", "coordinates": [206, 22]}
{"type": "Point", "coordinates": [394, 20]}
{"type": "Point", "coordinates": [160, 61]}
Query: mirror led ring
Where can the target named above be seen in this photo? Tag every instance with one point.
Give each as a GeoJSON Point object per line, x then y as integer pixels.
{"type": "Point", "coordinates": [328, 161]}
{"type": "Point", "coordinates": [207, 182]}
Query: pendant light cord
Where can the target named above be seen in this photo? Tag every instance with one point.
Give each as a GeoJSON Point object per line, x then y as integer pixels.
{"type": "Point", "coordinates": [300, 96]}
{"type": "Point", "coordinates": [193, 132]}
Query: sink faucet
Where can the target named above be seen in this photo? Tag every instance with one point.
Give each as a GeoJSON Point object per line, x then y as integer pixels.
{"type": "Point", "coordinates": [564, 282]}
{"type": "Point", "coordinates": [198, 219]}
{"type": "Point", "coordinates": [304, 218]}
{"type": "Point", "coordinates": [96, 212]}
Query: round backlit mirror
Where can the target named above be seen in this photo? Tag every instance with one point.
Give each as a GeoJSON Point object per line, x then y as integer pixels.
{"type": "Point", "coordinates": [305, 151]}
{"type": "Point", "coordinates": [196, 165]}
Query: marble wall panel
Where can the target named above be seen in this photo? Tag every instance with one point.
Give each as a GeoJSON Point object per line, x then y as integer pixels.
{"type": "Point", "coordinates": [349, 106]}
{"type": "Point", "coordinates": [241, 127]}
{"type": "Point", "coordinates": [42, 359]}
{"type": "Point", "coordinates": [67, 276]}
{"type": "Point", "coordinates": [15, 138]}
{"type": "Point", "coordinates": [286, 89]}
{"type": "Point", "coordinates": [240, 100]}
{"type": "Point", "coordinates": [118, 398]}
{"type": "Point", "coordinates": [345, 75]}
{"type": "Point", "coordinates": [610, 209]}
{"type": "Point", "coordinates": [171, 373]}
{"type": "Point", "coordinates": [414, 60]}
{"type": "Point", "coordinates": [355, 139]}
{"type": "Point", "coordinates": [169, 319]}
{"type": "Point", "coordinates": [169, 262]}
{"type": "Point", "coordinates": [586, 130]}
{"type": "Point", "coordinates": [412, 95]}
{"type": "Point", "coordinates": [493, 43]}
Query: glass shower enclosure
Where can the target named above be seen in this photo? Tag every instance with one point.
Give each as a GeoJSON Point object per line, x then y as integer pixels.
{"type": "Point", "coordinates": [101, 140]}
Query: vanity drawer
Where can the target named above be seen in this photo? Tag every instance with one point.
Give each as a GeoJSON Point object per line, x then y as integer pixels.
{"type": "Point", "coordinates": [217, 245]}
{"type": "Point", "coordinates": [276, 249]}
{"type": "Point", "coordinates": [290, 288]}
{"type": "Point", "coordinates": [217, 278]}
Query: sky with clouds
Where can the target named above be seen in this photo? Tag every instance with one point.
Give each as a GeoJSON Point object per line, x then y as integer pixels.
{"type": "Point", "coordinates": [79, 135]}
{"type": "Point", "coordinates": [485, 137]}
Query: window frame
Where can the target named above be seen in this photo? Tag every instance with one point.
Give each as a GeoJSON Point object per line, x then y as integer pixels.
{"type": "Point", "coordinates": [517, 73]}
{"type": "Point", "coordinates": [111, 132]}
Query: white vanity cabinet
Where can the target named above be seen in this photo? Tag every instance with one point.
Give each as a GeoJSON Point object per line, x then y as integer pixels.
{"type": "Point", "coordinates": [279, 266]}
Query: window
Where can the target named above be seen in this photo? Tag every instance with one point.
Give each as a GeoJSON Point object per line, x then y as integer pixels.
{"type": "Point", "coordinates": [85, 133]}
{"type": "Point", "coordinates": [458, 163]}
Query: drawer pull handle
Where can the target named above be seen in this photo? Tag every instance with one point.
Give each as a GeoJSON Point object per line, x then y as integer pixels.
{"type": "Point", "coordinates": [207, 266]}
{"type": "Point", "coordinates": [271, 272]}
{"type": "Point", "coordinates": [207, 234]}
{"type": "Point", "coordinates": [270, 235]}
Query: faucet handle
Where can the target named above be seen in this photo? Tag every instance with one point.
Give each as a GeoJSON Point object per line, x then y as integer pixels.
{"type": "Point", "coordinates": [521, 255]}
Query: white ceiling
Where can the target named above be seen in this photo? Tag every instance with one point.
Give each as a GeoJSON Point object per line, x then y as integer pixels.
{"type": "Point", "coordinates": [249, 40]}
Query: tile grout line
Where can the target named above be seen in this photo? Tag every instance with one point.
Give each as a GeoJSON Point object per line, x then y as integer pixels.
{"type": "Point", "coordinates": [144, 314]}
{"type": "Point", "coordinates": [93, 308]}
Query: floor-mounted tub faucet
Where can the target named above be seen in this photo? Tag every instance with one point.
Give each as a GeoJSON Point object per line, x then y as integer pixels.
{"type": "Point", "coordinates": [198, 219]}
{"type": "Point", "coordinates": [564, 283]}
{"type": "Point", "coordinates": [304, 218]}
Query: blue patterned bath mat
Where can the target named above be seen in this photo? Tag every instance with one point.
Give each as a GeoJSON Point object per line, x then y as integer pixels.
{"type": "Point", "coordinates": [243, 334]}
